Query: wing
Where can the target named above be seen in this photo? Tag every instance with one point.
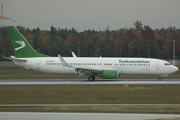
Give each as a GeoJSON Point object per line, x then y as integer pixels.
{"type": "Point", "coordinates": [82, 70]}
{"type": "Point", "coordinates": [89, 71]}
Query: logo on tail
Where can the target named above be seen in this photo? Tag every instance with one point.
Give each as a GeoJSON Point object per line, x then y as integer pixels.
{"type": "Point", "coordinates": [22, 43]}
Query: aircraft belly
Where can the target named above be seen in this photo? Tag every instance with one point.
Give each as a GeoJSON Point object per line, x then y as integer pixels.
{"type": "Point", "coordinates": [137, 71]}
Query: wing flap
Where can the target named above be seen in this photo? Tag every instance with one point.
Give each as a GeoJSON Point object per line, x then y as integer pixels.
{"type": "Point", "coordinates": [85, 71]}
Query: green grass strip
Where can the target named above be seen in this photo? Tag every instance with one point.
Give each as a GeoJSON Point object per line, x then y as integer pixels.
{"type": "Point", "coordinates": [99, 94]}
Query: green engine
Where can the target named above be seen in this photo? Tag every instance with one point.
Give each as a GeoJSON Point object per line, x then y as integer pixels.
{"type": "Point", "coordinates": [109, 74]}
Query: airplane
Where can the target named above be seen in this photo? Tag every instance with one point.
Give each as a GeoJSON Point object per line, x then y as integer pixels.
{"type": "Point", "coordinates": [105, 67]}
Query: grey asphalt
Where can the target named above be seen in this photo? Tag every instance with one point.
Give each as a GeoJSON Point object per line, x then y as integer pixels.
{"type": "Point", "coordinates": [81, 116]}
{"type": "Point", "coordinates": [86, 82]}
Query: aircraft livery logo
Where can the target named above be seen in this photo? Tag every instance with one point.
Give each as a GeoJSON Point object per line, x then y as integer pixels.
{"type": "Point", "coordinates": [133, 61]}
{"type": "Point", "coordinates": [22, 43]}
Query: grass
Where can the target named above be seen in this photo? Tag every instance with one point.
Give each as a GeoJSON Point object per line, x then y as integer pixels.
{"type": "Point", "coordinates": [100, 98]}
{"type": "Point", "coordinates": [103, 94]}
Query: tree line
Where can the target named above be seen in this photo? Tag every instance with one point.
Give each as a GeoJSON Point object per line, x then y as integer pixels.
{"type": "Point", "coordinates": [140, 41]}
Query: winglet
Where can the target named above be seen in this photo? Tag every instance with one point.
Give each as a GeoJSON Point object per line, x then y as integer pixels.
{"type": "Point", "coordinates": [63, 61]}
{"type": "Point", "coordinates": [74, 55]}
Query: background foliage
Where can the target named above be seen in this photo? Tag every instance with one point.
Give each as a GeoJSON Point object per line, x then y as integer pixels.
{"type": "Point", "coordinates": [140, 41]}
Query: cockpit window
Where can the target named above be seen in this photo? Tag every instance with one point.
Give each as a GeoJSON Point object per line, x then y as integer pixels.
{"type": "Point", "coordinates": [167, 64]}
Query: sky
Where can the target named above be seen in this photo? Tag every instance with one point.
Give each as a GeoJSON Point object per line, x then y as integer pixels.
{"type": "Point", "coordinates": [92, 14]}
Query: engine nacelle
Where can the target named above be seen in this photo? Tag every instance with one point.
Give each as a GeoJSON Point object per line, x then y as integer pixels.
{"type": "Point", "coordinates": [109, 74]}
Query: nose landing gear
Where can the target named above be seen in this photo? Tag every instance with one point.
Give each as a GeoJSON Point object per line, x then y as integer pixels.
{"type": "Point", "coordinates": [159, 78]}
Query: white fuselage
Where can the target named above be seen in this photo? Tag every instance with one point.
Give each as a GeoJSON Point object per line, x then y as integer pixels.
{"type": "Point", "coordinates": [124, 66]}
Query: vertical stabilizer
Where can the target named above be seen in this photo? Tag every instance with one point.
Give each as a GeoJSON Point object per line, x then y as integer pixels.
{"type": "Point", "coordinates": [21, 47]}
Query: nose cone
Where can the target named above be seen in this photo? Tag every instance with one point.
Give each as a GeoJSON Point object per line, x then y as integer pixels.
{"type": "Point", "coordinates": [174, 68]}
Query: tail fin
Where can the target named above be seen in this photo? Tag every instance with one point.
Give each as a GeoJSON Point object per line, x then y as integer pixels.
{"type": "Point", "coordinates": [21, 47]}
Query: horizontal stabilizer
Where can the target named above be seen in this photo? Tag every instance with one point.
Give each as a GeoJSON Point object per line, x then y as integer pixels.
{"type": "Point", "coordinates": [16, 59]}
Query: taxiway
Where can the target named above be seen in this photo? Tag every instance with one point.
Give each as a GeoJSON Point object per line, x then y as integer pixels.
{"type": "Point", "coordinates": [81, 116]}
{"type": "Point", "coordinates": [85, 82]}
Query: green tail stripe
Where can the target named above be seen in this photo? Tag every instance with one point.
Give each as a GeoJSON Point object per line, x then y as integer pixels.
{"type": "Point", "coordinates": [21, 47]}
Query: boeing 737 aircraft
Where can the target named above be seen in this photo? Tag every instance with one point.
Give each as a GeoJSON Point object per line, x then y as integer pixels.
{"type": "Point", "coordinates": [107, 68]}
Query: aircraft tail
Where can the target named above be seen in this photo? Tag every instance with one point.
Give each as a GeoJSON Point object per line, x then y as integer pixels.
{"type": "Point", "coordinates": [21, 47]}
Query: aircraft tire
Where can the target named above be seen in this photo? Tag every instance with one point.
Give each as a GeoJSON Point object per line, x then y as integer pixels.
{"type": "Point", "coordinates": [159, 78]}
{"type": "Point", "coordinates": [91, 78]}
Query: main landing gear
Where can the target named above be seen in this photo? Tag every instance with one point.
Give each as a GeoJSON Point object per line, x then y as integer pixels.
{"type": "Point", "coordinates": [91, 78]}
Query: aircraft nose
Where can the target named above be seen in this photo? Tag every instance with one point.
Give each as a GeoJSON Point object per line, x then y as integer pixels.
{"type": "Point", "coordinates": [174, 68]}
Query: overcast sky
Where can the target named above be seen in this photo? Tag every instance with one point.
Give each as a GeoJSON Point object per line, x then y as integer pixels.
{"type": "Point", "coordinates": [92, 14]}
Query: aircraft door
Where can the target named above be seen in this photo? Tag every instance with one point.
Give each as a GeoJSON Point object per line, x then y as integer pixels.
{"type": "Point", "coordinates": [104, 65]}
{"type": "Point", "coordinates": [157, 65]}
{"type": "Point", "coordinates": [100, 65]}
{"type": "Point", "coordinates": [38, 64]}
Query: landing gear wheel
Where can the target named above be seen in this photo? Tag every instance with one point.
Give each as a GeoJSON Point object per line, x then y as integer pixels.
{"type": "Point", "coordinates": [91, 78]}
{"type": "Point", "coordinates": [159, 78]}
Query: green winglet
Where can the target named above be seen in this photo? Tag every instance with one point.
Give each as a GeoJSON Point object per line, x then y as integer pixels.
{"type": "Point", "coordinates": [21, 47]}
